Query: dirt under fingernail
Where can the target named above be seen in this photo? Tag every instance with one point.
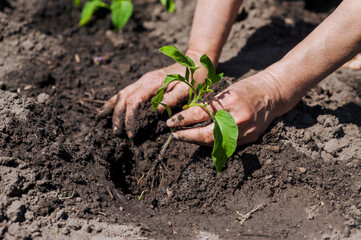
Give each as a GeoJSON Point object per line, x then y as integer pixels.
{"type": "Point", "coordinates": [130, 134]}
{"type": "Point", "coordinates": [115, 130]}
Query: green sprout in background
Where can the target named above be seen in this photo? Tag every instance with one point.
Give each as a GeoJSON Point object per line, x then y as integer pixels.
{"type": "Point", "coordinates": [169, 5]}
{"type": "Point", "coordinates": [121, 10]}
{"type": "Point", "coordinates": [225, 131]}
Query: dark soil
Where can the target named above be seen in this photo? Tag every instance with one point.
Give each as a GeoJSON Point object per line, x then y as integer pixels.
{"type": "Point", "coordinates": [300, 180]}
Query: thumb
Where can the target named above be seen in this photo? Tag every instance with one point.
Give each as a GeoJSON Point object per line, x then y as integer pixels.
{"type": "Point", "coordinates": [175, 96]}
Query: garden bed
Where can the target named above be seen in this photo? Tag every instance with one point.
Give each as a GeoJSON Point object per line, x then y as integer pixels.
{"type": "Point", "coordinates": [64, 175]}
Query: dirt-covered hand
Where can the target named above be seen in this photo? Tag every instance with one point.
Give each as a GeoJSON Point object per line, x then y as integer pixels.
{"type": "Point", "coordinates": [252, 102]}
{"type": "Point", "coordinates": [126, 101]}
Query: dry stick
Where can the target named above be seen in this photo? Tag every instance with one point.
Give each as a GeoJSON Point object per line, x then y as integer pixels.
{"type": "Point", "coordinates": [248, 215]}
{"type": "Point", "coordinates": [110, 193]}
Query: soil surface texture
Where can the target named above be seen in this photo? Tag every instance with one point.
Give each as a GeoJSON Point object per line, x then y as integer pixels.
{"type": "Point", "coordinates": [63, 175]}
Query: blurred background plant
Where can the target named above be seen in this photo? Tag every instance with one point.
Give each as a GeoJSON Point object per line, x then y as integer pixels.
{"type": "Point", "coordinates": [121, 10]}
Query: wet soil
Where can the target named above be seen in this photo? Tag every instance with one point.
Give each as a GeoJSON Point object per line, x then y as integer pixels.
{"type": "Point", "coordinates": [64, 175]}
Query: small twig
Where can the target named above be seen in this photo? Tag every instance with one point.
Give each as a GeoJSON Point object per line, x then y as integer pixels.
{"type": "Point", "coordinates": [140, 179]}
{"type": "Point", "coordinates": [101, 213]}
{"type": "Point", "coordinates": [248, 215]}
{"type": "Point", "coordinates": [63, 195]}
{"type": "Point", "coordinates": [110, 193]}
{"type": "Point", "coordinates": [117, 193]}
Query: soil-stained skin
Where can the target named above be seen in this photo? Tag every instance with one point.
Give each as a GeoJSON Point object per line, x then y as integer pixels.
{"type": "Point", "coordinates": [304, 172]}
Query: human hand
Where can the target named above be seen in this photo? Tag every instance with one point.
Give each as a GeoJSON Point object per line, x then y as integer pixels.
{"type": "Point", "coordinates": [253, 102]}
{"type": "Point", "coordinates": [127, 100]}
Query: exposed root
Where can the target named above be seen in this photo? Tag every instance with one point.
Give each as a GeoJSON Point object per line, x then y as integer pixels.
{"type": "Point", "coordinates": [157, 174]}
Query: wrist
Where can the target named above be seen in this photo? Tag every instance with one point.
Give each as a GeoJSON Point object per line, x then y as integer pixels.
{"type": "Point", "coordinates": [195, 54]}
{"type": "Point", "coordinates": [278, 97]}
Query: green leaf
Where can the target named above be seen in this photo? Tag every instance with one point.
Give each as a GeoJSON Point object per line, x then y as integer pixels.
{"type": "Point", "coordinates": [170, 77]}
{"type": "Point", "coordinates": [77, 3]}
{"type": "Point", "coordinates": [178, 56]}
{"type": "Point", "coordinates": [187, 74]}
{"type": "Point", "coordinates": [169, 5]}
{"type": "Point", "coordinates": [122, 10]}
{"type": "Point", "coordinates": [199, 86]}
{"type": "Point", "coordinates": [169, 111]}
{"type": "Point", "coordinates": [158, 98]}
{"type": "Point", "coordinates": [207, 63]}
{"type": "Point", "coordinates": [225, 134]}
{"type": "Point", "coordinates": [89, 9]}
{"type": "Point", "coordinates": [208, 81]}
{"type": "Point", "coordinates": [193, 69]}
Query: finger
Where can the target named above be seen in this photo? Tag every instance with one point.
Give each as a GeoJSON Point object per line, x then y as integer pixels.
{"type": "Point", "coordinates": [118, 114]}
{"type": "Point", "coordinates": [132, 104]}
{"type": "Point", "coordinates": [107, 108]}
{"type": "Point", "coordinates": [200, 135]}
{"type": "Point", "coordinates": [176, 95]}
{"type": "Point", "coordinates": [190, 116]}
{"type": "Point", "coordinates": [171, 86]}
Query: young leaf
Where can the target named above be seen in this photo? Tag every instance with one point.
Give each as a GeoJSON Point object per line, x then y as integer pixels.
{"type": "Point", "coordinates": [178, 56]}
{"type": "Point", "coordinates": [187, 74]}
{"type": "Point", "coordinates": [169, 111]}
{"type": "Point", "coordinates": [89, 9]}
{"type": "Point", "coordinates": [206, 61]}
{"type": "Point", "coordinates": [225, 134]}
{"type": "Point", "coordinates": [158, 98]}
{"type": "Point", "coordinates": [208, 82]}
{"type": "Point", "coordinates": [121, 12]}
{"type": "Point", "coordinates": [199, 86]}
{"type": "Point", "coordinates": [170, 77]}
{"type": "Point", "coordinates": [169, 4]}
{"type": "Point", "coordinates": [77, 3]}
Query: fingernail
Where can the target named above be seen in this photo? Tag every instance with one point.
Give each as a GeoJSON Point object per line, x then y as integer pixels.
{"type": "Point", "coordinates": [115, 130]}
{"type": "Point", "coordinates": [175, 135]}
{"type": "Point", "coordinates": [170, 122]}
{"type": "Point", "coordinates": [160, 108]}
{"type": "Point", "coordinates": [130, 134]}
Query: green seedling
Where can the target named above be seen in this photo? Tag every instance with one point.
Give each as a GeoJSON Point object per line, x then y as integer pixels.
{"type": "Point", "coordinates": [57, 233]}
{"type": "Point", "coordinates": [169, 5]}
{"type": "Point", "coordinates": [141, 195]}
{"type": "Point", "coordinates": [225, 131]}
{"type": "Point", "coordinates": [77, 3]}
{"type": "Point", "coordinates": [121, 10]}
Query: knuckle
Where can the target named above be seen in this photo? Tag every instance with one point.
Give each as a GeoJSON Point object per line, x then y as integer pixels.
{"type": "Point", "coordinates": [229, 98]}
{"type": "Point", "coordinates": [130, 100]}
{"type": "Point", "coordinates": [246, 115]}
{"type": "Point", "coordinates": [119, 95]}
